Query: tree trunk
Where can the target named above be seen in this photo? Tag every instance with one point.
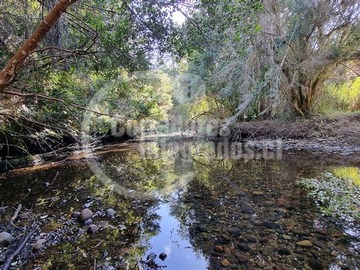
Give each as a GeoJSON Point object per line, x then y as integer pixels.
{"type": "Point", "coordinates": [8, 74]}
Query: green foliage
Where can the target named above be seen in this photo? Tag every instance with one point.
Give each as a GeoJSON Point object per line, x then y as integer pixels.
{"type": "Point", "coordinates": [340, 96]}
{"type": "Point", "coordinates": [335, 196]}
{"type": "Point", "coordinates": [268, 59]}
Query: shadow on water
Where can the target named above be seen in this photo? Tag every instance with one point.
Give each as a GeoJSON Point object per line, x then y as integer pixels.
{"type": "Point", "coordinates": [178, 205]}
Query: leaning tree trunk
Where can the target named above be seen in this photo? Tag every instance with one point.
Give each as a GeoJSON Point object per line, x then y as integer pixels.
{"type": "Point", "coordinates": [8, 74]}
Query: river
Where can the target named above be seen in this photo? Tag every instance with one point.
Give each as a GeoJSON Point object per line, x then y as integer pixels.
{"type": "Point", "coordinates": [177, 205]}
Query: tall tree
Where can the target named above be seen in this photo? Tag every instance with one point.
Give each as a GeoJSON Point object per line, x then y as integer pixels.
{"type": "Point", "coordinates": [271, 58]}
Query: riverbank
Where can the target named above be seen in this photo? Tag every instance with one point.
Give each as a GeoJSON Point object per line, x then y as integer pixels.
{"type": "Point", "coordinates": [327, 134]}
{"type": "Point", "coordinates": [320, 135]}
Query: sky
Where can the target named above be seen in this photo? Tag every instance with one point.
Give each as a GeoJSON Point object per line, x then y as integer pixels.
{"type": "Point", "coordinates": [178, 17]}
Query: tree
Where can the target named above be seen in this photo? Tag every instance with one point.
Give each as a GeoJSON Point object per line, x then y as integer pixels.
{"type": "Point", "coordinates": [8, 74]}
{"type": "Point", "coordinates": [92, 44]}
{"type": "Point", "coordinates": [271, 58]}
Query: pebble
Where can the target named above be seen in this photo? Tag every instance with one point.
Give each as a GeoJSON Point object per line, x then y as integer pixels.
{"type": "Point", "coordinates": [286, 237]}
{"type": "Point", "coordinates": [85, 215]}
{"type": "Point", "coordinates": [234, 231]}
{"type": "Point", "coordinates": [39, 244]}
{"type": "Point", "coordinates": [251, 239]}
{"type": "Point", "coordinates": [92, 229]}
{"type": "Point", "coordinates": [243, 247]}
{"type": "Point", "coordinates": [248, 209]}
{"type": "Point", "coordinates": [304, 243]}
{"type": "Point", "coordinates": [242, 258]}
{"type": "Point", "coordinates": [75, 214]}
{"type": "Point", "coordinates": [316, 265]}
{"type": "Point", "coordinates": [284, 251]}
{"type": "Point", "coordinates": [110, 212]}
{"type": "Point", "coordinates": [88, 222]}
{"type": "Point", "coordinates": [218, 249]}
{"type": "Point", "coordinates": [6, 239]}
{"type": "Point", "coordinates": [225, 262]}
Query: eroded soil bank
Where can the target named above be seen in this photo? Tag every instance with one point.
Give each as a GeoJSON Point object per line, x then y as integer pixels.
{"type": "Point", "coordinates": [337, 134]}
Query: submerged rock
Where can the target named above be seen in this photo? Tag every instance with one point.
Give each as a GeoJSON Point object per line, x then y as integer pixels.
{"type": "Point", "coordinates": [88, 221]}
{"type": "Point", "coordinates": [85, 215]}
{"type": "Point", "coordinates": [39, 244]}
{"type": "Point", "coordinates": [234, 231]}
{"type": "Point", "coordinates": [218, 249]}
{"type": "Point", "coordinates": [243, 247]}
{"type": "Point", "coordinates": [6, 239]}
{"type": "Point", "coordinates": [110, 212]}
{"type": "Point", "coordinates": [75, 214]}
{"type": "Point", "coordinates": [225, 263]}
{"type": "Point", "coordinates": [242, 258]}
{"type": "Point", "coordinates": [284, 251]}
{"type": "Point", "coordinates": [304, 243]}
{"type": "Point", "coordinates": [92, 229]}
{"type": "Point", "coordinates": [316, 265]}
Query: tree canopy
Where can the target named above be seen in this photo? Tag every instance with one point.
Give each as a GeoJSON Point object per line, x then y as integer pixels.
{"type": "Point", "coordinates": [236, 59]}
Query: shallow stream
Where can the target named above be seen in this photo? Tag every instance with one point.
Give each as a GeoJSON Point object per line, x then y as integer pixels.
{"type": "Point", "coordinates": [178, 205]}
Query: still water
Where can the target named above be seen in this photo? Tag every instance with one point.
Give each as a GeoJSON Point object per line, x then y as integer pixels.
{"type": "Point", "coordinates": [179, 205]}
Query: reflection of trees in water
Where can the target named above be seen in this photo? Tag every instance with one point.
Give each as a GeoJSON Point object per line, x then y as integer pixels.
{"type": "Point", "coordinates": [69, 188]}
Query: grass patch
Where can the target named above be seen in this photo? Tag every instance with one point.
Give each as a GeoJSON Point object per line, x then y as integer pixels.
{"type": "Point", "coordinates": [336, 196]}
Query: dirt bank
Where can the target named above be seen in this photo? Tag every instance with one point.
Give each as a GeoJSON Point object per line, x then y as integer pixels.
{"type": "Point", "coordinates": [338, 134]}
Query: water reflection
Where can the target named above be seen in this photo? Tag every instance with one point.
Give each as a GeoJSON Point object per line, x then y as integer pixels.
{"type": "Point", "coordinates": [203, 210]}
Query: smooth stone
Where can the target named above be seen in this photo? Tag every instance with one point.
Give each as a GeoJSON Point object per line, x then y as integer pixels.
{"type": "Point", "coordinates": [304, 243]}
{"type": "Point", "coordinates": [243, 247]}
{"type": "Point", "coordinates": [263, 240]}
{"type": "Point", "coordinates": [242, 258]}
{"type": "Point", "coordinates": [286, 237]}
{"type": "Point", "coordinates": [110, 212]}
{"type": "Point", "coordinates": [316, 265]}
{"type": "Point", "coordinates": [92, 229]}
{"type": "Point", "coordinates": [6, 239]}
{"type": "Point", "coordinates": [227, 250]}
{"type": "Point", "coordinates": [225, 263]}
{"type": "Point", "coordinates": [85, 215]}
{"type": "Point", "coordinates": [247, 209]}
{"type": "Point", "coordinates": [75, 214]}
{"type": "Point", "coordinates": [88, 222]}
{"type": "Point", "coordinates": [272, 225]}
{"type": "Point", "coordinates": [162, 256]}
{"type": "Point", "coordinates": [284, 251]}
{"type": "Point", "coordinates": [223, 239]}
{"type": "Point", "coordinates": [251, 239]}
{"type": "Point", "coordinates": [257, 193]}
{"type": "Point", "coordinates": [39, 244]}
{"type": "Point", "coordinates": [234, 231]}
{"type": "Point", "coordinates": [300, 233]}
{"type": "Point", "coordinates": [218, 249]}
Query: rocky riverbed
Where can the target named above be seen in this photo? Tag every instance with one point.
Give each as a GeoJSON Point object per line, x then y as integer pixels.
{"type": "Point", "coordinates": [222, 212]}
